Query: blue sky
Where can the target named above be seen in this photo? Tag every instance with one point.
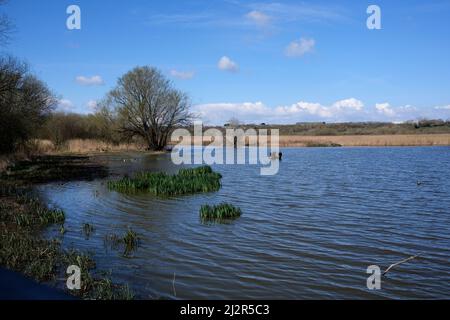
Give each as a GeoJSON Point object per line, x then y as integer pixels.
{"type": "Point", "coordinates": [261, 61]}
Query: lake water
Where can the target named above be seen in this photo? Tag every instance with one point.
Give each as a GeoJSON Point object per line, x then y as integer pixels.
{"type": "Point", "coordinates": [309, 232]}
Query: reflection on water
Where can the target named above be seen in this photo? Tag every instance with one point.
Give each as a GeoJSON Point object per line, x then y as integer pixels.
{"type": "Point", "coordinates": [309, 232]}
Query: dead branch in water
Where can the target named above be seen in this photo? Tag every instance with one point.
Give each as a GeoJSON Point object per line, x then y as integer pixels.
{"type": "Point", "coordinates": [173, 285]}
{"type": "Point", "coordinates": [400, 262]}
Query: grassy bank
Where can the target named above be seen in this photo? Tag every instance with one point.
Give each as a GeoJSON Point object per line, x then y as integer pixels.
{"type": "Point", "coordinates": [39, 169]}
{"type": "Point", "coordinates": [23, 218]}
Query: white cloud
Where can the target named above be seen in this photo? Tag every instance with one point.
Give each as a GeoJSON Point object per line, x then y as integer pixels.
{"type": "Point", "coordinates": [258, 18]}
{"type": "Point", "coordinates": [183, 75]}
{"type": "Point", "coordinates": [92, 105]}
{"type": "Point", "coordinates": [385, 109]}
{"type": "Point", "coordinates": [337, 109]}
{"type": "Point", "coordinates": [226, 64]}
{"type": "Point", "coordinates": [351, 103]}
{"type": "Point", "coordinates": [65, 105]}
{"type": "Point", "coordinates": [254, 112]}
{"type": "Point", "coordinates": [219, 113]}
{"type": "Point", "coordinates": [300, 47]}
{"type": "Point", "coordinates": [303, 107]}
{"type": "Point", "coordinates": [442, 107]}
{"type": "Point", "coordinates": [90, 81]}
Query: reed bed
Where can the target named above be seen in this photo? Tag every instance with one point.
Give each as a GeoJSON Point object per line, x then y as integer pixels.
{"type": "Point", "coordinates": [186, 181]}
{"type": "Point", "coordinates": [359, 140]}
{"type": "Point", "coordinates": [367, 140]}
{"type": "Point", "coordinates": [219, 212]}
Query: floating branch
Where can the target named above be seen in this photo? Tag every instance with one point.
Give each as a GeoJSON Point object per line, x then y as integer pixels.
{"type": "Point", "coordinates": [173, 285]}
{"type": "Point", "coordinates": [400, 262]}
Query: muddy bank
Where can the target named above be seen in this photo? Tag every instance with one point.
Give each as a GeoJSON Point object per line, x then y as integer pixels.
{"type": "Point", "coordinates": [41, 169]}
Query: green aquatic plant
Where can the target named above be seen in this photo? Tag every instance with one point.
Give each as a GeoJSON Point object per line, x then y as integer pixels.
{"type": "Point", "coordinates": [88, 229]}
{"type": "Point", "coordinates": [129, 242]}
{"type": "Point", "coordinates": [62, 230]}
{"type": "Point", "coordinates": [219, 212]}
{"type": "Point", "coordinates": [186, 181]}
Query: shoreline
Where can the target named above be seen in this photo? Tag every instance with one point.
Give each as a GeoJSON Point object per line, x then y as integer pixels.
{"type": "Point", "coordinates": [23, 220]}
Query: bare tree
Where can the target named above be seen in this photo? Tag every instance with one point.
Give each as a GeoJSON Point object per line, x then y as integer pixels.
{"type": "Point", "coordinates": [148, 106]}
{"type": "Point", "coordinates": [25, 102]}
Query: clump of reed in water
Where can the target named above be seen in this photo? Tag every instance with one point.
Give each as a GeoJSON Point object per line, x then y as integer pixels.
{"type": "Point", "coordinates": [186, 181]}
{"type": "Point", "coordinates": [130, 241]}
{"type": "Point", "coordinates": [88, 229]}
{"type": "Point", "coordinates": [219, 212]}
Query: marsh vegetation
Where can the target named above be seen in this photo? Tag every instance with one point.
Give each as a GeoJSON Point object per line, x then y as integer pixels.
{"type": "Point", "coordinates": [23, 218]}
{"type": "Point", "coordinates": [128, 242]}
{"type": "Point", "coordinates": [220, 212]}
{"type": "Point", "coordinates": [186, 181]}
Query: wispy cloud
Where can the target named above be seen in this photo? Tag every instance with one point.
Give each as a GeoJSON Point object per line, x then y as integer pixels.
{"type": "Point", "coordinates": [261, 14]}
{"type": "Point", "coordinates": [299, 48]}
{"type": "Point", "coordinates": [226, 64]}
{"type": "Point", "coordinates": [259, 18]}
{"type": "Point", "coordinates": [191, 19]}
{"type": "Point", "coordinates": [89, 81]}
{"type": "Point", "coordinates": [442, 107]}
{"type": "Point", "coordinates": [182, 75]}
{"type": "Point", "coordinates": [305, 12]}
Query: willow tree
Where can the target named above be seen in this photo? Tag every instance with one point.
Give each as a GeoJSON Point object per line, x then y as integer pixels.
{"type": "Point", "coordinates": [147, 105]}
